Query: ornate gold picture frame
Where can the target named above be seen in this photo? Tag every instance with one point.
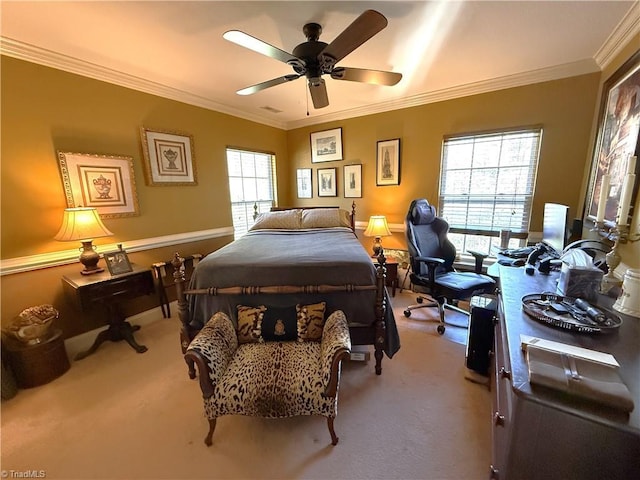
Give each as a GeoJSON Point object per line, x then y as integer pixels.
{"type": "Point", "coordinates": [105, 182]}
{"type": "Point", "coordinates": [169, 157]}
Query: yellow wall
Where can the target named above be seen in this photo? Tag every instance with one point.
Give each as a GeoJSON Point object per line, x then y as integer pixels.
{"type": "Point", "coordinates": [45, 110]}
{"type": "Point", "coordinates": [564, 108]}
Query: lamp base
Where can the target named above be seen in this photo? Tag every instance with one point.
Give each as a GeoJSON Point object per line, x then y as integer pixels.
{"type": "Point", "coordinates": [89, 258]}
{"type": "Point", "coordinates": [377, 246]}
{"type": "Point", "coordinates": [91, 272]}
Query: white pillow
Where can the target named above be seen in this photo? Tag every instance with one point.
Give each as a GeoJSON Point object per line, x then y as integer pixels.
{"type": "Point", "coordinates": [285, 219]}
{"type": "Point", "coordinates": [325, 218]}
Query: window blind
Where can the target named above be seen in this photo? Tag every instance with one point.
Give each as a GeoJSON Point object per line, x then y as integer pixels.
{"type": "Point", "coordinates": [487, 181]}
{"type": "Point", "coordinates": [252, 182]}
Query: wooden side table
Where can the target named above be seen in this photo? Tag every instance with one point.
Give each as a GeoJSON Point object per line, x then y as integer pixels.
{"type": "Point", "coordinates": [104, 291]}
{"type": "Point", "coordinates": [392, 273]}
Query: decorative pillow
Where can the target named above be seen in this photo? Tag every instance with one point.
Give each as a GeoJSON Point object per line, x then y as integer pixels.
{"type": "Point", "coordinates": [325, 218]}
{"type": "Point", "coordinates": [250, 323]}
{"type": "Point", "coordinates": [310, 321]}
{"type": "Point", "coordinates": [286, 219]}
{"type": "Point", "coordinates": [279, 324]}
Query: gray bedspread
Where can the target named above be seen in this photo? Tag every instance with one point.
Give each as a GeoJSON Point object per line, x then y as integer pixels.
{"type": "Point", "coordinates": [332, 256]}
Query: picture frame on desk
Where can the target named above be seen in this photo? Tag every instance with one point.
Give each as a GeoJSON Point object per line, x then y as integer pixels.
{"type": "Point", "coordinates": [117, 262]}
{"type": "Point", "coordinates": [617, 141]}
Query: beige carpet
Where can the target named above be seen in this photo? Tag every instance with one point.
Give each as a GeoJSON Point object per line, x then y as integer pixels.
{"type": "Point", "coordinates": [122, 415]}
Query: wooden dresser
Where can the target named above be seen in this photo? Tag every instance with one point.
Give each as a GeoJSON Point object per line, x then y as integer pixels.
{"type": "Point", "coordinates": [538, 433]}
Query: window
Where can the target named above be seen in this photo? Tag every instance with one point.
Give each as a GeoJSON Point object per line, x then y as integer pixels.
{"type": "Point", "coordinates": [486, 184]}
{"type": "Point", "coordinates": [252, 182]}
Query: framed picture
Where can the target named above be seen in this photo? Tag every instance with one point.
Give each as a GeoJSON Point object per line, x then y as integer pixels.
{"type": "Point", "coordinates": [303, 178]}
{"type": "Point", "coordinates": [327, 182]}
{"type": "Point", "coordinates": [117, 262]}
{"type": "Point", "coordinates": [105, 182]}
{"type": "Point", "coordinates": [353, 181]}
{"type": "Point", "coordinates": [617, 139]}
{"type": "Point", "coordinates": [388, 162]}
{"type": "Point", "coordinates": [169, 158]}
{"type": "Point", "coordinates": [326, 146]}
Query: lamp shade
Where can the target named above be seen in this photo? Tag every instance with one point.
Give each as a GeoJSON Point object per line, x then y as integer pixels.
{"type": "Point", "coordinates": [377, 227]}
{"type": "Point", "coordinates": [81, 223]}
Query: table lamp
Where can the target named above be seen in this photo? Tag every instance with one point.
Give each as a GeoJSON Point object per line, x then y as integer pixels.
{"type": "Point", "coordinates": [84, 224]}
{"type": "Point", "coordinates": [377, 228]}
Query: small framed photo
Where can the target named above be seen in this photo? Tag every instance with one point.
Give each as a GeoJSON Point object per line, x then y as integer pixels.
{"type": "Point", "coordinates": [388, 162]}
{"type": "Point", "coordinates": [117, 262]}
{"type": "Point", "coordinates": [353, 181]}
{"type": "Point", "coordinates": [303, 178]}
{"type": "Point", "coordinates": [326, 146]}
{"type": "Point", "coordinates": [327, 182]}
{"type": "Point", "coordinates": [169, 158]}
{"type": "Point", "coordinates": [105, 182]}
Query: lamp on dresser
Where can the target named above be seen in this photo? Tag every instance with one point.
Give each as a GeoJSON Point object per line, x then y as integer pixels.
{"type": "Point", "coordinates": [377, 228]}
{"type": "Point", "coordinates": [83, 224]}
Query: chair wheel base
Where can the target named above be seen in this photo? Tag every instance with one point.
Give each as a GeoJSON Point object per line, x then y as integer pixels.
{"type": "Point", "coordinates": [440, 329]}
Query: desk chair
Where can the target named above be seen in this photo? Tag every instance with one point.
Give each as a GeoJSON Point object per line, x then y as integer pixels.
{"type": "Point", "coordinates": [431, 257]}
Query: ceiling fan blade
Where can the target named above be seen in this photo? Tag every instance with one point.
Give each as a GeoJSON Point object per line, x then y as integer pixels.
{"type": "Point", "coordinates": [252, 43]}
{"type": "Point", "coordinates": [269, 83]}
{"type": "Point", "coordinates": [318, 91]}
{"type": "Point", "coordinates": [362, 29]}
{"type": "Point", "coordinates": [377, 77]}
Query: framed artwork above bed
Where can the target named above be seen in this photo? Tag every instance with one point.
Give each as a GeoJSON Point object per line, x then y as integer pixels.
{"type": "Point", "coordinates": [326, 146]}
{"type": "Point", "coordinates": [353, 181]}
{"type": "Point", "coordinates": [327, 182]}
{"type": "Point", "coordinates": [303, 180]}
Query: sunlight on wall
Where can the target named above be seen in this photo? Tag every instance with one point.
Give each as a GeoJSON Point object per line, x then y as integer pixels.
{"type": "Point", "coordinates": [418, 51]}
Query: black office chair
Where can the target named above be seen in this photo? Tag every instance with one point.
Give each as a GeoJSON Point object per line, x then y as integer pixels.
{"type": "Point", "coordinates": [431, 256]}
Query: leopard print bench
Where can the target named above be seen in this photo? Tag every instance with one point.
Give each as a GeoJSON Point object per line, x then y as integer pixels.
{"type": "Point", "coordinates": [269, 379]}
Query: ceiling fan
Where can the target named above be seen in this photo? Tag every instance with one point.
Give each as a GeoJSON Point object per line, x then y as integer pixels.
{"type": "Point", "coordinates": [314, 58]}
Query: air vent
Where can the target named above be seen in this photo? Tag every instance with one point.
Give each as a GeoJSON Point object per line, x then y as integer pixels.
{"type": "Point", "coordinates": [271, 109]}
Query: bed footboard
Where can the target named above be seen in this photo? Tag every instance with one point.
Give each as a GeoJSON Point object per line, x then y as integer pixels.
{"type": "Point", "coordinates": [188, 332]}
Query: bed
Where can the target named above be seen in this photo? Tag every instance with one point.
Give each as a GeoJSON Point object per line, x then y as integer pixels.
{"type": "Point", "coordinates": [292, 257]}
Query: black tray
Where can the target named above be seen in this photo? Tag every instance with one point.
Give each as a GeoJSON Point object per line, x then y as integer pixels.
{"type": "Point", "coordinates": [538, 306]}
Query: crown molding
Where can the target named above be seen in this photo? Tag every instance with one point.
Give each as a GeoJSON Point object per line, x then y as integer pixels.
{"type": "Point", "coordinates": [48, 58]}
{"type": "Point", "coordinates": [65, 257]}
{"type": "Point", "coordinates": [624, 32]}
{"type": "Point", "coordinates": [485, 86]}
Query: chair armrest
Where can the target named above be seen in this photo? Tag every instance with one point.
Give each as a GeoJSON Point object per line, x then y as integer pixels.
{"type": "Point", "coordinates": [431, 260]}
{"type": "Point", "coordinates": [335, 346]}
{"type": "Point", "coordinates": [432, 264]}
{"type": "Point", "coordinates": [479, 258]}
{"type": "Point", "coordinates": [212, 350]}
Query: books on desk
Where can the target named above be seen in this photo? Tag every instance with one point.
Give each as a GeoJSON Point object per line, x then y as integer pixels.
{"type": "Point", "coordinates": [584, 373]}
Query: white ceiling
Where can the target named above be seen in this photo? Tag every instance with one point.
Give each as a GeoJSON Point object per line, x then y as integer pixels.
{"type": "Point", "coordinates": [443, 49]}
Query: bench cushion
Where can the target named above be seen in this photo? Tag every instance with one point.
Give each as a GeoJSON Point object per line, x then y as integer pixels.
{"type": "Point", "coordinates": [272, 379]}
